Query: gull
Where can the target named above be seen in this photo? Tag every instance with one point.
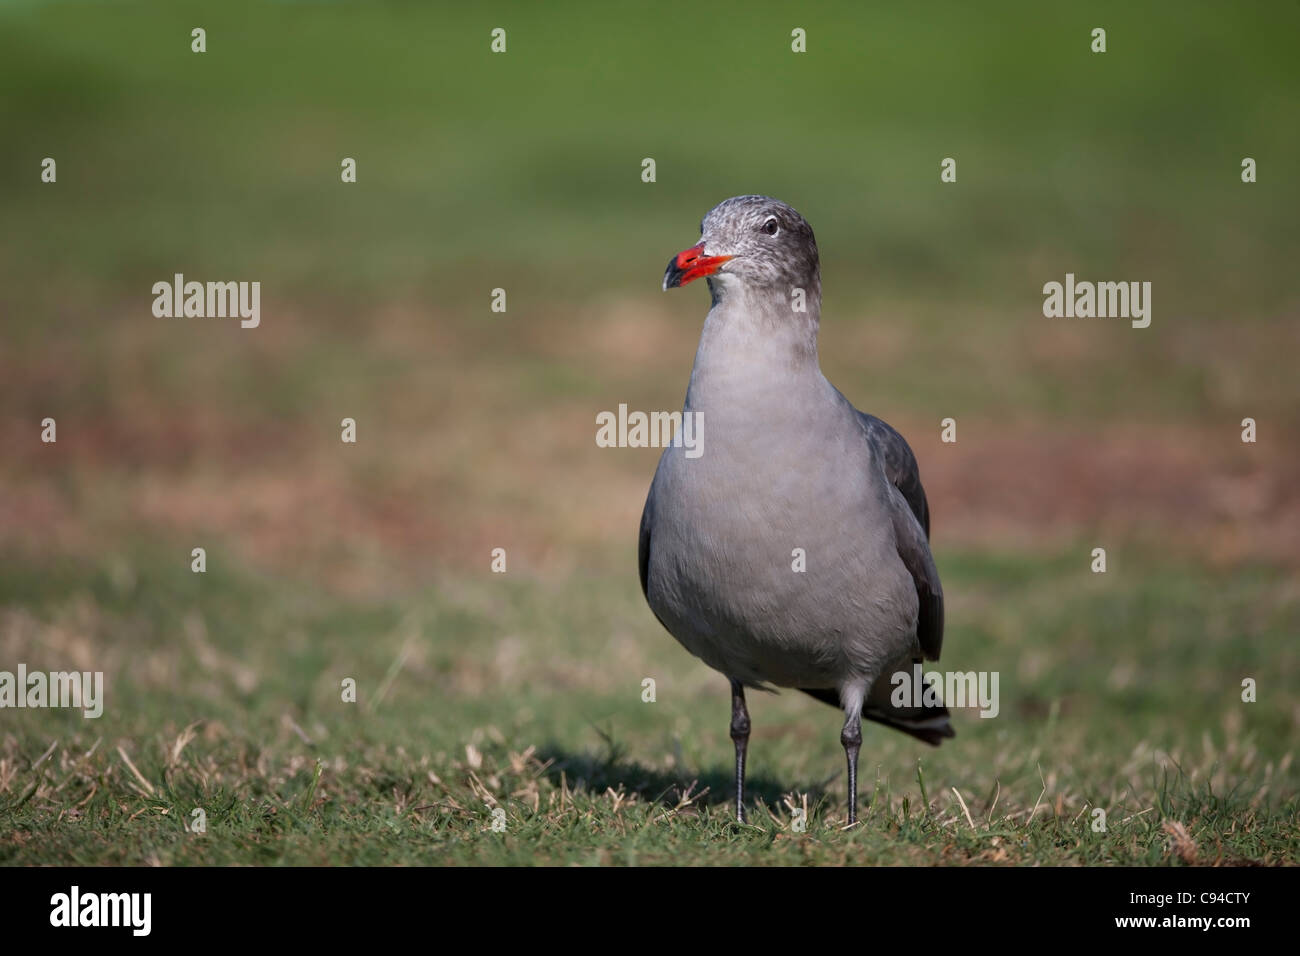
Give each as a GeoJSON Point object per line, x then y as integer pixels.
{"type": "Point", "coordinates": [793, 550]}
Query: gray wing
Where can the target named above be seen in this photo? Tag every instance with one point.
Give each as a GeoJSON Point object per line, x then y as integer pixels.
{"type": "Point", "coordinates": [900, 466]}
{"type": "Point", "coordinates": [911, 515]}
{"type": "Point", "coordinates": [643, 549]}
{"type": "Point", "coordinates": [643, 545]}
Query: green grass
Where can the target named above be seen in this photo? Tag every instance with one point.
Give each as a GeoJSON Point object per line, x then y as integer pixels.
{"type": "Point", "coordinates": [527, 164]}
{"type": "Point", "coordinates": [1117, 691]}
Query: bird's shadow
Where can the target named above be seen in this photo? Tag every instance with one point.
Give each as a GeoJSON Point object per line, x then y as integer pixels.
{"type": "Point", "coordinates": [707, 787]}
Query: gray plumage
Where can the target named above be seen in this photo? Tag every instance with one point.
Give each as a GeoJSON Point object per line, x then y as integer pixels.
{"type": "Point", "coordinates": [787, 463]}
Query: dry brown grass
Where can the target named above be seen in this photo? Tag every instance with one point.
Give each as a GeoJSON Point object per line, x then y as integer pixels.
{"type": "Point", "coordinates": [463, 448]}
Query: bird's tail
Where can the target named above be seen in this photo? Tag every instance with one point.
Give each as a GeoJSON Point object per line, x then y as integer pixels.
{"type": "Point", "coordinates": [924, 723]}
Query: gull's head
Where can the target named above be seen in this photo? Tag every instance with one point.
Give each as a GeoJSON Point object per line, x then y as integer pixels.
{"type": "Point", "coordinates": [756, 241]}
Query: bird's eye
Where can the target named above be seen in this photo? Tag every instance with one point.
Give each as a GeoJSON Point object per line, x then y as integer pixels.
{"type": "Point", "coordinates": [770, 226]}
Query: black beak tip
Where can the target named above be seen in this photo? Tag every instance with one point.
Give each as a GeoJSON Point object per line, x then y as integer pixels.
{"type": "Point", "coordinates": [672, 275]}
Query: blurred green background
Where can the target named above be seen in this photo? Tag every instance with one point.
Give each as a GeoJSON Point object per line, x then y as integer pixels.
{"type": "Point", "coordinates": [476, 429]}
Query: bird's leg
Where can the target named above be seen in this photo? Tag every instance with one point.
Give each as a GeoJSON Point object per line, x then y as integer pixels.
{"type": "Point", "coordinates": [851, 738]}
{"type": "Point", "coordinates": [739, 734]}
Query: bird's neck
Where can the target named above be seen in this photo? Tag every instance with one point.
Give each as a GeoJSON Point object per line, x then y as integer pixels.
{"type": "Point", "coordinates": [755, 342]}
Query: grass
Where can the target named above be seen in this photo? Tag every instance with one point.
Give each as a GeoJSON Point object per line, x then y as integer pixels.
{"type": "Point", "coordinates": [522, 691]}
{"type": "Point", "coordinates": [223, 693]}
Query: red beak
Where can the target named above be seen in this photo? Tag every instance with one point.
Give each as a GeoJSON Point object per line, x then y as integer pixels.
{"type": "Point", "coordinates": [691, 264]}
